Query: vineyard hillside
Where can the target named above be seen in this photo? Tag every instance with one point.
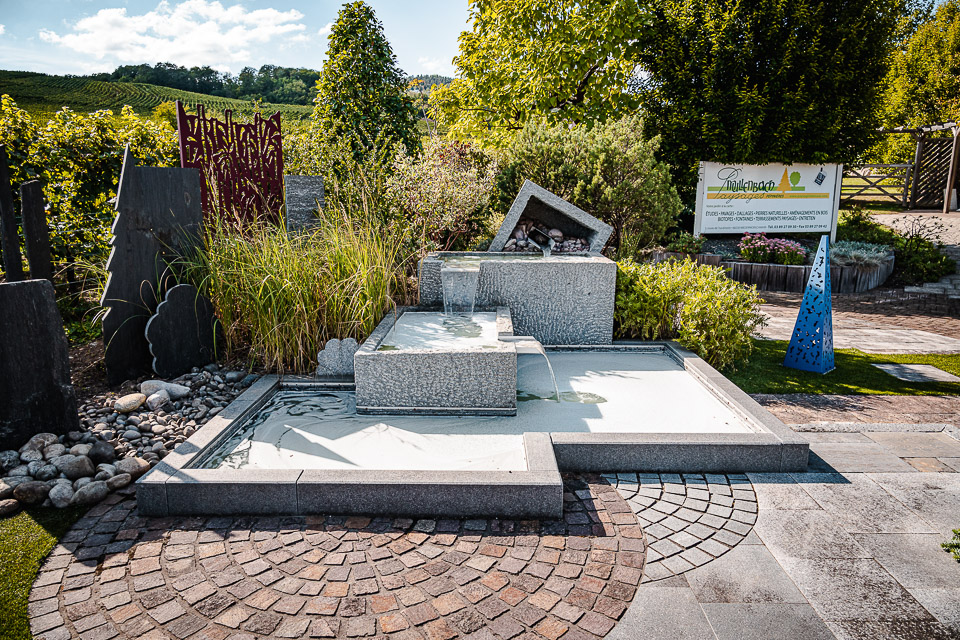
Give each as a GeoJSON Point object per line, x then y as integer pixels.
{"type": "Point", "coordinates": [39, 93]}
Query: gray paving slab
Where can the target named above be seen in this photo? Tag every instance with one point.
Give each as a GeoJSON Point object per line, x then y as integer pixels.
{"type": "Point", "coordinates": [747, 573]}
{"type": "Point", "coordinates": [935, 497]}
{"type": "Point", "coordinates": [916, 372]}
{"type": "Point", "coordinates": [901, 629]}
{"type": "Point", "coordinates": [780, 491]}
{"type": "Point", "coordinates": [858, 458]}
{"type": "Point", "coordinates": [953, 463]}
{"type": "Point", "coordinates": [943, 604]}
{"type": "Point", "coordinates": [805, 534]}
{"type": "Point", "coordinates": [860, 505]}
{"type": "Point", "coordinates": [915, 560]}
{"type": "Point", "coordinates": [663, 613]}
{"type": "Point", "coordinates": [853, 589]}
{"type": "Point", "coordinates": [766, 622]}
{"type": "Point", "coordinates": [917, 445]}
{"type": "Point", "coordinates": [833, 436]}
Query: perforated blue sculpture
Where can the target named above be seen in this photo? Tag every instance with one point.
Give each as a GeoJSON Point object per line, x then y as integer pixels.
{"type": "Point", "coordinates": [811, 346]}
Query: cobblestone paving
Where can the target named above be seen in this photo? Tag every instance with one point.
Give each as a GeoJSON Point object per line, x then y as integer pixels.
{"type": "Point", "coordinates": [118, 575]}
{"type": "Point", "coordinates": [688, 519]}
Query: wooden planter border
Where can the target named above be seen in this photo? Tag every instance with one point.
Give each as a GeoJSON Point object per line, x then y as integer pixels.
{"type": "Point", "coordinates": [793, 278]}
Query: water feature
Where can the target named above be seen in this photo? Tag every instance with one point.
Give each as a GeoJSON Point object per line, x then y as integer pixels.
{"type": "Point", "coordinates": [459, 288]}
{"type": "Point", "coordinates": [530, 345]}
{"type": "Point", "coordinates": [419, 330]}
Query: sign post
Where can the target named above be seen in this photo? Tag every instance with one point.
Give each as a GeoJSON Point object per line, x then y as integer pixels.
{"type": "Point", "coordinates": [774, 198]}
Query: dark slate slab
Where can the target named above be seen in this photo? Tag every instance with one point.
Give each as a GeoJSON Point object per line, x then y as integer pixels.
{"type": "Point", "coordinates": [533, 201]}
{"type": "Point", "coordinates": [158, 214]}
{"type": "Point", "coordinates": [184, 333]}
{"type": "Point", "coordinates": [36, 235]}
{"type": "Point", "coordinates": [9, 235]}
{"type": "Point", "coordinates": [35, 391]}
{"type": "Point", "coordinates": [301, 195]}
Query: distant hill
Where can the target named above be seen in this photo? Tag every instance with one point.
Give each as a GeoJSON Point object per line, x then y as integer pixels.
{"type": "Point", "coordinates": [41, 93]}
{"type": "Point", "coordinates": [430, 80]}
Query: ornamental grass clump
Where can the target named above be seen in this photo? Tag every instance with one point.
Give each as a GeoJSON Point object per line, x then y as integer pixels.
{"type": "Point", "coordinates": [697, 305]}
{"type": "Point", "coordinates": [850, 253]}
{"type": "Point", "coordinates": [280, 297]}
{"type": "Point", "coordinates": [757, 247]}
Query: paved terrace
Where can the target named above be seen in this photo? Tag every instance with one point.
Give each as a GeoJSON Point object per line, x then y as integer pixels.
{"type": "Point", "coordinates": [848, 550]}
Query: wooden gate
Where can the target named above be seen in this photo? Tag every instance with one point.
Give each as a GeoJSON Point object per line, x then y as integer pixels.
{"type": "Point", "coordinates": [932, 168]}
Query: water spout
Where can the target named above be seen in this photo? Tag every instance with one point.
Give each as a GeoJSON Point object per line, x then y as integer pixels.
{"type": "Point", "coordinates": [459, 288]}
{"type": "Point", "coordinates": [530, 345]}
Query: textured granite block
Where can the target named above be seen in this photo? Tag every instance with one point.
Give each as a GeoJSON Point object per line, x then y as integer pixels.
{"type": "Point", "coordinates": [559, 300]}
{"type": "Point", "coordinates": [233, 491]}
{"type": "Point", "coordinates": [506, 494]}
{"type": "Point", "coordinates": [533, 201]}
{"type": "Point", "coordinates": [35, 390]}
{"type": "Point", "coordinates": [434, 381]}
{"type": "Point", "coordinates": [301, 195]}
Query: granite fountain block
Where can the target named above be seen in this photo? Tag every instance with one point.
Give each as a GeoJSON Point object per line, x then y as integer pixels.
{"type": "Point", "coordinates": [452, 380]}
{"type": "Point", "coordinates": [535, 202]}
{"type": "Point", "coordinates": [559, 299]}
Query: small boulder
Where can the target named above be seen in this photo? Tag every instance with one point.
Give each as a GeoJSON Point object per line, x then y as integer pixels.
{"type": "Point", "coordinates": [158, 399]}
{"type": "Point", "coordinates": [53, 451]}
{"type": "Point", "coordinates": [39, 441]}
{"type": "Point", "coordinates": [130, 402]}
{"type": "Point", "coordinates": [249, 380]}
{"type": "Point", "coordinates": [80, 449]}
{"type": "Point", "coordinates": [31, 455]}
{"type": "Point", "coordinates": [175, 391]}
{"type": "Point", "coordinates": [74, 467]}
{"type": "Point", "coordinates": [22, 470]}
{"type": "Point", "coordinates": [102, 452]}
{"type": "Point", "coordinates": [61, 495]}
{"type": "Point", "coordinates": [136, 467]}
{"type": "Point", "coordinates": [90, 494]}
{"type": "Point", "coordinates": [234, 377]}
{"type": "Point", "coordinates": [9, 460]}
{"type": "Point", "coordinates": [31, 492]}
{"type": "Point", "coordinates": [82, 482]}
{"type": "Point", "coordinates": [119, 481]}
{"type": "Point", "coordinates": [47, 472]}
{"type": "Point", "coordinates": [130, 434]}
{"type": "Point", "coordinates": [6, 489]}
{"type": "Point", "coordinates": [9, 507]}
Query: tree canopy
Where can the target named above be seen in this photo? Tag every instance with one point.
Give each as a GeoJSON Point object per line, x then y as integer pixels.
{"type": "Point", "coordinates": [923, 85]}
{"type": "Point", "coordinates": [561, 60]}
{"type": "Point", "coordinates": [361, 92]}
{"type": "Point", "coordinates": [764, 81]}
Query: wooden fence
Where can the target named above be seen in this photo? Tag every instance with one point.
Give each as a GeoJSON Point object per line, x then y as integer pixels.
{"type": "Point", "coordinates": [877, 180]}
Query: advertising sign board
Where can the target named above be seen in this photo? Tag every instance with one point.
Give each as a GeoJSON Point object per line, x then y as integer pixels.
{"type": "Point", "coordinates": [773, 198]}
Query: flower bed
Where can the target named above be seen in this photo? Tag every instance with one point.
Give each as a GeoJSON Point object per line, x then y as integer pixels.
{"type": "Point", "coordinates": [852, 278]}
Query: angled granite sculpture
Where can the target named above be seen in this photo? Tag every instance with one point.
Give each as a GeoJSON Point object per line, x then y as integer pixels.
{"type": "Point", "coordinates": [158, 215]}
{"type": "Point", "coordinates": [811, 346]}
{"type": "Point", "coordinates": [301, 197]}
{"type": "Point", "coordinates": [183, 333]}
{"type": "Point", "coordinates": [535, 202]}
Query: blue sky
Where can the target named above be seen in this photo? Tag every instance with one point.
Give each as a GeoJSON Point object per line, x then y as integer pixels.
{"type": "Point", "coordinates": [84, 36]}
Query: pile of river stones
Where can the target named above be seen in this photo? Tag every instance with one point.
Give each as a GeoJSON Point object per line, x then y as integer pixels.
{"type": "Point", "coordinates": [521, 240]}
{"type": "Point", "coordinates": [121, 438]}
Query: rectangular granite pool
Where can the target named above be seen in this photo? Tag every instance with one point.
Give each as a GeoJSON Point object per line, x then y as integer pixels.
{"type": "Point", "coordinates": [622, 392]}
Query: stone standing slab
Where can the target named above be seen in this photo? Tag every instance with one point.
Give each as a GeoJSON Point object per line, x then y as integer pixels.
{"type": "Point", "coordinates": [35, 389]}
{"type": "Point", "coordinates": [9, 236]}
{"type": "Point", "coordinates": [158, 214]}
{"type": "Point", "coordinates": [184, 333]}
{"type": "Point", "coordinates": [303, 197]}
{"type": "Point", "coordinates": [35, 231]}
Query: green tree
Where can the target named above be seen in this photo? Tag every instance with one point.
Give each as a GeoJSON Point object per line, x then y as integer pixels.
{"type": "Point", "coordinates": [561, 60]}
{"type": "Point", "coordinates": [361, 92]}
{"type": "Point", "coordinates": [609, 170]}
{"type": "Point", "coordinates": [923, 85]}
{"type": "Point", "coordinates": [764, 81]}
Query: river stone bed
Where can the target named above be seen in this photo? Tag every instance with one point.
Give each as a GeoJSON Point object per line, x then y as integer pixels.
{"type": "Point", "coordinates": [121, 437]}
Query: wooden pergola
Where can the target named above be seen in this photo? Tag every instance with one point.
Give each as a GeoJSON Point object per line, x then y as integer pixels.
{"type": "Point", "coordinates": [934, 160]}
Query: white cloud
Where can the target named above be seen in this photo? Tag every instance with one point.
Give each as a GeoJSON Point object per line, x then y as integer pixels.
{"type": "Point", "coordinates": [2, 29]}
{"type": "Point", "coordinates": [325, 29]}
{"type": "Point", "coordinates": [435, 65]}
{"type": "Point", "coordinates": [191, 33]}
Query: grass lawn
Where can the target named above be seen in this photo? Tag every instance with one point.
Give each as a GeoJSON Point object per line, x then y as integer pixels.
{"type": "Point", "coordinates": [765, 373]}
{"type": "Point", "coordinates": [25, 540]}
{"type": "Point", "coordinates": [875, 207]}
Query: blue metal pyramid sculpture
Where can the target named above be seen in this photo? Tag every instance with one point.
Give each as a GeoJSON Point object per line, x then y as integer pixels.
{"type": "Point", "coordinates": [811, 346]}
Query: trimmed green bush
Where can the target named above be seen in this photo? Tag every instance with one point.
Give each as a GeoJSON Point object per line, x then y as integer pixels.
{"type": "Point", "coordinates": [699, 306]}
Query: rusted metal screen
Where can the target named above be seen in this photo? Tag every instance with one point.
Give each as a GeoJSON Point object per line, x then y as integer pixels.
{"type": "Point", "coordinates": [241, 165]}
